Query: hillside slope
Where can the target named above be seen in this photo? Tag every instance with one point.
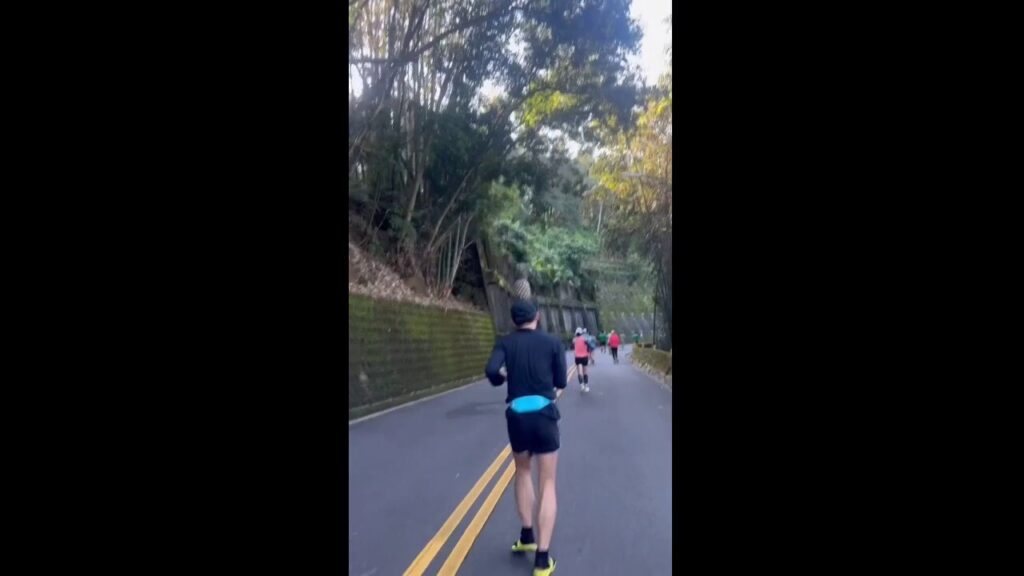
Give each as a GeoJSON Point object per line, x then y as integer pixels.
{"type": "Point", "coordinates": [369, 277]}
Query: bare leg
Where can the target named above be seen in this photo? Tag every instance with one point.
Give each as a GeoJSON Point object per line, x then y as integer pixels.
{"type": "Point", "coordinates": [524, 488]}
{"type": "Point", "coordinates": [548, 464]}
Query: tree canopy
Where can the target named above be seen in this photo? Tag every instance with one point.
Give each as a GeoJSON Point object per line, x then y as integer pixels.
{"type": "Point", "coordinates": [451, 111]}
{"type": "Point", "coordinates": [635, 179]}
{"type": "Point", "coordinates": [423, 145]}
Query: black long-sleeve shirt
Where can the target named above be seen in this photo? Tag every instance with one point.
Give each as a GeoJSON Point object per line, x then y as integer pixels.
{"type": "Point", "coordinates": [534, 360]}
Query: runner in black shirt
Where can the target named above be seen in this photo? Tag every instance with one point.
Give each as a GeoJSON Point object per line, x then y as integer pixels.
{"type": "Point", "coordinates": [535, 363]}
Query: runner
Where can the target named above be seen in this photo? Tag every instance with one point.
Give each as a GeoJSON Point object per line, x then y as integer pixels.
{"type": "Point", "coordinates": [535, 364]}
{"type": "Point", "coordinates": [602, 338]}
{"type": "Point", "coordinates": [579, 344]}
{"type": "Point", "coordinates": [591, 345]}
{"type": "Point", "coordinates": [613, 342]}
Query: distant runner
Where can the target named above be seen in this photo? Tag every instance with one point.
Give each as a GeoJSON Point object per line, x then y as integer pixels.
{"type": "Point", "coordinates": [602, 338]}
{"type": "Point", "coordinates": [582, 354]}
{"type": "Point", "coordinates": [535, 362]}
{"type": "Point", "coordinates": [591, 345]}
{"type": "Point", "coordinates": [613, 342]}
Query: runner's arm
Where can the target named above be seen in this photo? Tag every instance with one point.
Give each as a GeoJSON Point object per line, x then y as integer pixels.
{"type": "Point", "coordinates": [493, 369]}
{"type": "Point", "coordinates": [560, 376]}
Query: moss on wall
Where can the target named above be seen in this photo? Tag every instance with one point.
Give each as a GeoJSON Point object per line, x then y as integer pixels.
{"type": "Point", "coordinates": [400, 351]}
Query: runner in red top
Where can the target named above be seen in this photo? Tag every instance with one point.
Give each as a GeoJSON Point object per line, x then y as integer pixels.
{"type": "Point", "coordinates": [582, 353]}
{"type": "Point", "coordinates": [613, 343]}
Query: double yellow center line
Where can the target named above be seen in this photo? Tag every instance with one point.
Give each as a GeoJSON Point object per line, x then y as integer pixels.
{"type": "Point", "coordinates": [476, 525]}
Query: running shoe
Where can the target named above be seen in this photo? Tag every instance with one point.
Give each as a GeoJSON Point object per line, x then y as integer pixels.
{"type": "Point", "coordinates": [520, 547]}
{"type": "Point", "coordinates": [546, 571]}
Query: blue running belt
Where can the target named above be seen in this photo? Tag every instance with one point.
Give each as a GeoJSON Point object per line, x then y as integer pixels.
{"type": "Point", "coordinates": [525, 404]}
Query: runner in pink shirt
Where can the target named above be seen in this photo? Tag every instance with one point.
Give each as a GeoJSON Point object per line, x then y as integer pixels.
{"type": "Point", "coordinates": [582, 353]}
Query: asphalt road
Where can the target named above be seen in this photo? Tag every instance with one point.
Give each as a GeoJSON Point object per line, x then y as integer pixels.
{"type": "Point", "coordinates": [410, 469]}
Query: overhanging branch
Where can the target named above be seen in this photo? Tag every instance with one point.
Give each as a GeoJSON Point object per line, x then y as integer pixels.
{"type": "Point", "coordinates": [408, 57]}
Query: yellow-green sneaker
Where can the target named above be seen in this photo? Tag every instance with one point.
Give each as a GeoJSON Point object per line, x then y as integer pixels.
{"type": "Point", "coordinates": [520, 547]}
{"type": "Point", "coordinates": [546, 571]}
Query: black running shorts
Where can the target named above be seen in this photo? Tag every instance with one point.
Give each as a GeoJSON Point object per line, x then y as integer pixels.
{"type": "Point", "coordinates": [582, 361]}
{"type": "Point", "coordinates": [534, 432]}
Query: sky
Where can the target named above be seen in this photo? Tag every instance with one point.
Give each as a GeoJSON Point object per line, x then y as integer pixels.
{"type": "Point", "coordinates": [652, 15]}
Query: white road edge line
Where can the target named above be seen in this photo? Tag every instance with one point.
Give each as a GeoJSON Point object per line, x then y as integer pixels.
{"type": "Point", "coordinates": [425, 398]}
{"type": "Point", "coordinates": [414, 402]}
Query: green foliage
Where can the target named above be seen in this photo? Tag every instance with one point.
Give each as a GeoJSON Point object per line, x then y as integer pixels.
{"type": "Point", "coordinates": [635, 183]}
{"type": "Point", "coordinates": [553, 255]}
{"type": "Point", "coordinates": [502, 210]}
{"type": "Point", "coordinates": [624, 285]}
{"type": "Point", "coordinates": [425, 153]}
{"type": "Point", "coordinates": [628, 274]}
{"type": "Point", "coordinates": [581, 47]}
{"type": "Point", "coordinates": [545, 104]}
{"type": "Point", "coordinates": [511, 240]}
{"type": "Point", "coordinates": [557, 255]}
{"type": "Point", "coordinates": [535, 219]}
{"type": "Point", "coordinates": [503, 201]}
{"type": "Point", "coordinates": [551, 185]}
